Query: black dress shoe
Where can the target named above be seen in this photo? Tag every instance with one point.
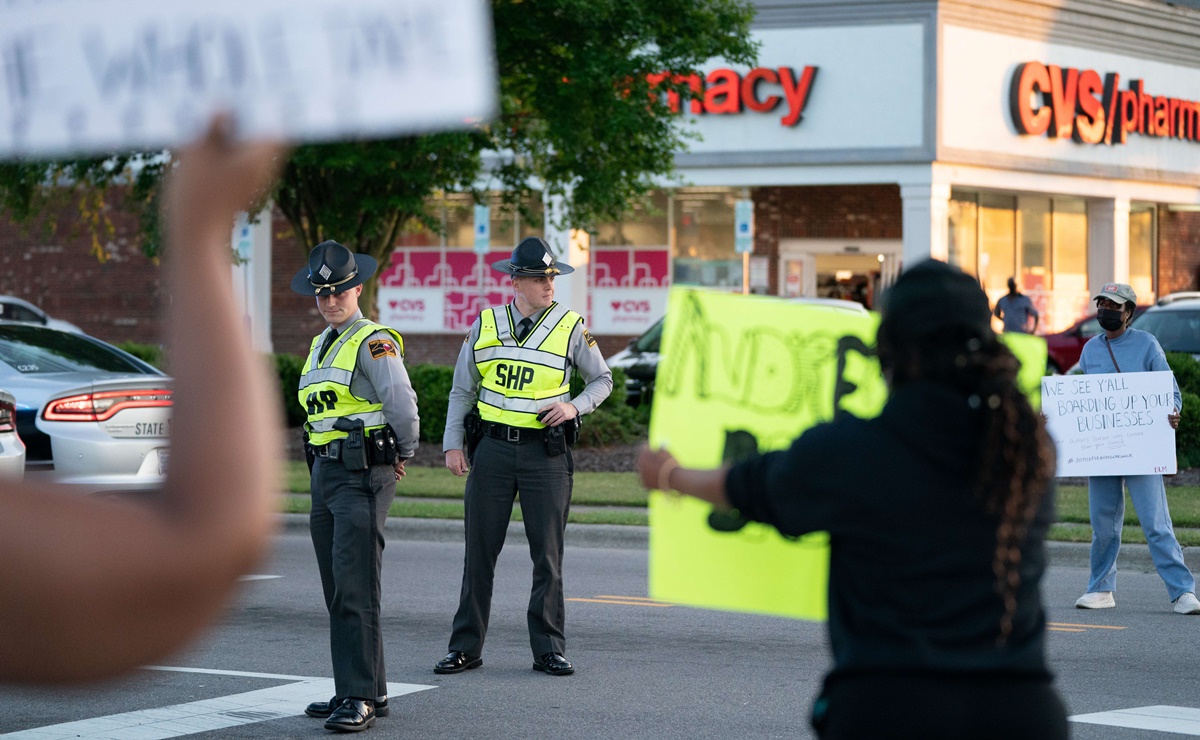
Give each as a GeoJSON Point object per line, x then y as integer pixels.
{"type": "Point", "coordinates": [554, 664]}
{"type": "Point", "coordinates": [322, 709]}
{"type": "Point", "coordinates": [352, 715]}
{"type": "Point", "coordinates": [457, 662]}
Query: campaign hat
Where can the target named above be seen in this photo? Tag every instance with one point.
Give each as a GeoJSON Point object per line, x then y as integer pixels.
{"type": "Point", "coordinates": [333, 268]}
{"type": "Point", "coordinates": [1119, 292]}
{"type": "Point", "coordinates": [532, 258]}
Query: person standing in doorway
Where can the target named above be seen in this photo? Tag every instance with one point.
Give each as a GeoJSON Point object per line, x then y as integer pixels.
{"type": "Point", "coordinates": [1121, 349]}
{"type": "Point", "coordinates": [1015, 310]}
{"type": "Point", "coordinates": [362, 425]}
{"type": "Point", "coordinates": [512, 382]}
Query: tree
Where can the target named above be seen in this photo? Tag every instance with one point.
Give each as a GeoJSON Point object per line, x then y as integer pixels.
{"type": "Point", "coordinates": [578, 118]}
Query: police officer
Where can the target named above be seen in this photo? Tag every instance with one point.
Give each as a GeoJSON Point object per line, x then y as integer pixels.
{"type": "Point", "coordinates": [515, 369]}
{"type": "Point", "coordinates": [362, 426]}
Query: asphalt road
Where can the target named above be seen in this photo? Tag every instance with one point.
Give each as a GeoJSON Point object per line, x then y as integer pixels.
{"type": "Point", "coordinates": [643, 670]}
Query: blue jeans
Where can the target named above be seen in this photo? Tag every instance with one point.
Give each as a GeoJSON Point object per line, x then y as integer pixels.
{"type": "Point", "coordinates": [1106, 505]}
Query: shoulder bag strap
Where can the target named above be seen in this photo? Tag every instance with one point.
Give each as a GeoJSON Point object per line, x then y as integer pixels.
{"type": "Point", "coordinates": [1110, 354]}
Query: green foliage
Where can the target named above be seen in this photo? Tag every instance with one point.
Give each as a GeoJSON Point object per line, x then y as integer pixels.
{"type": "Point", "coordinates": [614, 421]}
{"type": "Point", "coordinates": [289, 368]}
{"type": "Point", "coordinates": [148, 353]}
{"type": "Point", "coordinates": [432, 384]}
{"type": "Point", "coordinates": [1187, 437]}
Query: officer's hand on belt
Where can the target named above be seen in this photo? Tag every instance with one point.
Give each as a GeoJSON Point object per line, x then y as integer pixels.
{"type": "Point", "coordinates": [557, 413]}
{"type": "Point", "coordinates": [399, 468]}
{"type": "Point", "coordinates": [456, 462]}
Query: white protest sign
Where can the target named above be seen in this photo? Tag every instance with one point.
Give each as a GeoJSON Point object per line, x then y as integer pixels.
{"type": "Point", "coordinates": [1111, 424]}
{"type": "Point", "coordinates": [93, 76]}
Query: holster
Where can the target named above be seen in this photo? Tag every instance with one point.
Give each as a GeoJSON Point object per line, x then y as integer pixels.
{"type": "Point", "coordinates": [472, 431]}
{"type": "Point", "coordinates": [572, 430]}
{"type": "Point", "coordinates": [354, 447]}
{"type": "Point", "coordinates": [309, 456]}
{"type": "Point", "coordinates": [555, 439]}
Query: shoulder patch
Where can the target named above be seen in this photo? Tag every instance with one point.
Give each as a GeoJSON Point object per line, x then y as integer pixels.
{"type": "Point", "coordinates": [587, 336]}
{"type": "Point", "coordinates": [381, 348]}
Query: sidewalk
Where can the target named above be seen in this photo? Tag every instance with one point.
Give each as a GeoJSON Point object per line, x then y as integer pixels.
{"type": "Point", "coordinates": [1059, 554]}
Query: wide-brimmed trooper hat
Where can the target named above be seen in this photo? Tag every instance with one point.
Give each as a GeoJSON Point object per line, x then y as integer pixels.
{"type": "Point", "coordinates": [532, 258]}
{"type": "Point", "coordinates": [1118, 293]}
{"type": "Point", "coordinates": [332, 269]}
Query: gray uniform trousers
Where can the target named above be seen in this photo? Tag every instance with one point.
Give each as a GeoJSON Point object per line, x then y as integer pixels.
{"type": "Point", "coordinates": [349, 509]}
{"type": "Point", "coordinates": [499, 469]}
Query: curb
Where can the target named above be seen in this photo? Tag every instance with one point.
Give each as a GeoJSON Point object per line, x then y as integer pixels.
{"type": "Point", "coordinates": [628, 537]}
{"type": "Point", "coordinates": [612, 536]}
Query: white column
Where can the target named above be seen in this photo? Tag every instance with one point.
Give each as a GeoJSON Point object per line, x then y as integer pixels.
{"type": "Point", "coordinates": [1108, 242]}
{"type": "Point", "coordinates": [926, 222]}
{"type": "Point", "coordinates": [570, 246]}
{"type": "Point", "coordinates": [251, 244]}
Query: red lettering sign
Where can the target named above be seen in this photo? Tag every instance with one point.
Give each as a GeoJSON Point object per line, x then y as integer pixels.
{"type": "Point", "coordinates": [1062, 103]}
{"type": "Point", "coordinates": [408, 304]}
{"type": "Point", "coordinates": [630, 306]}
{"type": "Point", "coordinates": [725, 92]}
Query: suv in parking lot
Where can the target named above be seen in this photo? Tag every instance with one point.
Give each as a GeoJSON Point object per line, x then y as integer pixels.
{"type": "Point", "coordinates": [1175, 322]}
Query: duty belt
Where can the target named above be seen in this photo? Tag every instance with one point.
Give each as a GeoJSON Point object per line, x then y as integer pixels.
{"type": "Point", "coordinates": [517, 435]}
{"type": "Point", "coordinates": [333, 450]}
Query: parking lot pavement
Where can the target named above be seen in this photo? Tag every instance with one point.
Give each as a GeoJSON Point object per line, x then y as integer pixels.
{"type": "Point", "coordinates": [644, 668]}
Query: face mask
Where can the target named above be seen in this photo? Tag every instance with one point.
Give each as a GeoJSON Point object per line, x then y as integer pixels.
{"type": "Point", "coordinates": [1110, 319]}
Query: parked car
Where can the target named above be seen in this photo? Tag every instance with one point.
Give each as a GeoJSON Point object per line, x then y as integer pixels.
{"type": "Point", "coordinates": [12, 449]}
{"type": "Point", "coordinates": [639, 359]}
{"type": "Point", "coordinates": [1175, 322]}
{"type": "Point", "coordinates": [1064, 347]}
{"type": "Point", "coordinates": [87, 412]}
{"type": "Point", "coordinates": [19, 309]}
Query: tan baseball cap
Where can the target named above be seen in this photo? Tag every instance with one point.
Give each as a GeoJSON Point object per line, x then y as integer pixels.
{"type": "Point", "coordinates": [1118, 292]}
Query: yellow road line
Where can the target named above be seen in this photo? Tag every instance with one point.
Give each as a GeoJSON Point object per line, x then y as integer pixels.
{"type": "Point", "coordinates": [624, 603]}
{"type": "Point", "coordinates": [1085, 626]}
{"type": "Point", "coordinates": [1064, 629]}
{"type": "Point", "coordinates": [630, 598]}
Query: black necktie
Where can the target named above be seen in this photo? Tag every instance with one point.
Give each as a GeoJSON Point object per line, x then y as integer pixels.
{"type": "Point", "coordinates": [524, 327]}
{"type": "Point", "coordinates": [329, 340]}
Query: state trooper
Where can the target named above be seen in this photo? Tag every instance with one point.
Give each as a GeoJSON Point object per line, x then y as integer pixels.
{"type": "Point", "coordinates": [362, 425]}
{"type": "Point", "coordinates": [512, 389]}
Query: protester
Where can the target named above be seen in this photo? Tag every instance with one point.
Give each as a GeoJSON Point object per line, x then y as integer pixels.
{"type": "Point", "coordinates": [935, 617]}
{"type": "Point", "coordinates": [93, 587]}
{"type": "Point", "coordinates": [515, 369]}
{"type": "Point", "coordinates": [362, 425]}
{"type": "Point", "coordinates": [1015, 310]}
{"type": "Point", "coordinates": [1122, 349]}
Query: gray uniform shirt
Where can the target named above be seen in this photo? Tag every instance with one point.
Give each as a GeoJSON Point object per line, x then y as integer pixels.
{"type": "Point", "coordinates": [385, 380]}
{"type": "Point", "coordinates": [581, 354]}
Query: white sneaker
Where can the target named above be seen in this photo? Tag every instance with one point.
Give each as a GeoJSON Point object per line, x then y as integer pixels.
{"type": "Point", "coordinates": [1187, 604]}
{"type": "Point", "coordinates": [1105, 600]}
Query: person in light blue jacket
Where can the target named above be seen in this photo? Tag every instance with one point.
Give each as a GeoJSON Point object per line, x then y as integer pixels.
{"type": "Point", "coordinates": [1121, 349]}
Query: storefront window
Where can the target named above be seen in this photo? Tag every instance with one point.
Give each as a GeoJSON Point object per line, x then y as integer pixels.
{"type": "Point", "coordinates": [644, 225]}
{"type": "Point", "coordinates": [1141, 251]}
{"type": "Point", "coordinates": [1033, 226]}
{"type": "Point", "coordinates": [703, 248]}
{"type": "Point", "coordinates": [1069, 240]}
{"type": "Point", "coordinates": [458, 221]}
{"type": "Point", "coordinates": [997, 242]}
{"type": "Point", "coordinates": [964, 230]}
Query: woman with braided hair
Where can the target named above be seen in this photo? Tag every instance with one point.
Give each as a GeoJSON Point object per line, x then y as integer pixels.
{"type": "Point", "coordinates": [936, 511]}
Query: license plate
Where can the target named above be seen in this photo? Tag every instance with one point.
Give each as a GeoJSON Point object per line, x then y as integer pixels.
{"type": "Point", "coordinates": [163, 457]}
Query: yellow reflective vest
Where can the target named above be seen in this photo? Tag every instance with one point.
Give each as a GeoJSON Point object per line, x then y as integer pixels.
{"type": "Point", "coordinates": [519, 377]}
{"type": "Point", "coordinates": [325, 386]}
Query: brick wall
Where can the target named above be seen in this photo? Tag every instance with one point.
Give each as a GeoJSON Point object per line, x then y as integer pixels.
{"type": "Point", "coordinates": [1178, 250]}
{"type": "Point", "coordinates": [823, 212]}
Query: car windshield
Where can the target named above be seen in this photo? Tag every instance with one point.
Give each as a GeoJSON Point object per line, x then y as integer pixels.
{"type": "Point", "coordinates": [1176, 331]}
{"type": "Point", "coordinates": [34, 349]}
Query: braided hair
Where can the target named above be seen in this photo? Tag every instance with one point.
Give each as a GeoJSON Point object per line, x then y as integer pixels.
{"type": "Point", "coordinates": [957, 348]}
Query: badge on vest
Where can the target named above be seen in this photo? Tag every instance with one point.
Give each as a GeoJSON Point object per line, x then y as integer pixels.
{"type": "Point", "coordinates": [381, 348]}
